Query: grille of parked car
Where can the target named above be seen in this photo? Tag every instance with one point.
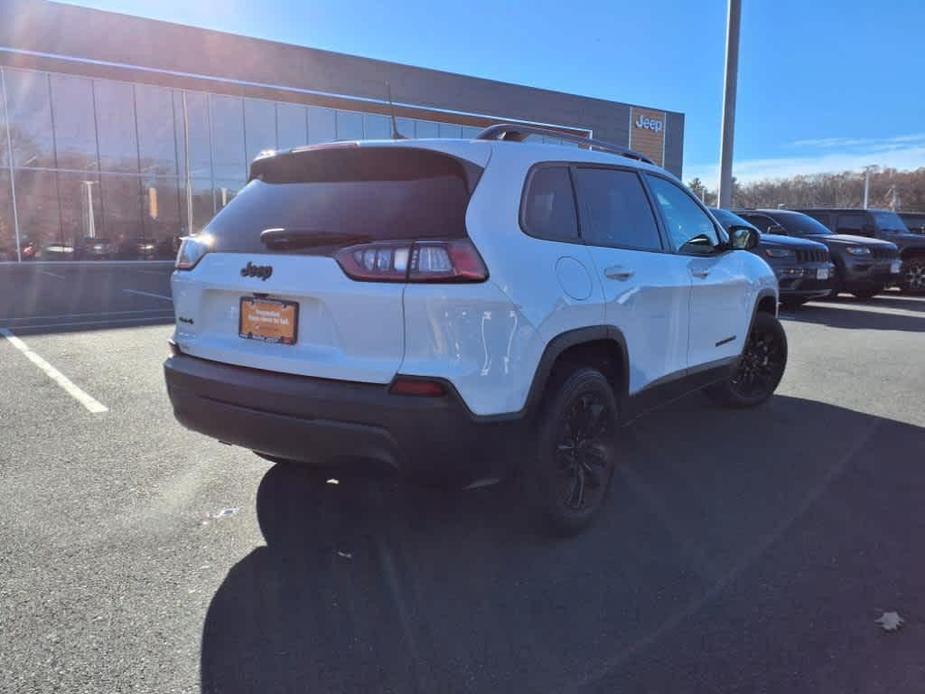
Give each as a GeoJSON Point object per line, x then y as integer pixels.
{"type": "Point", "coordinates": [878, 252]}
{"type": "Point", "coordinates": [813, 256]}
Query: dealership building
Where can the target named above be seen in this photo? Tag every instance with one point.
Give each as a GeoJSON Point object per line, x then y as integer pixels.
{"type": "Point", "coordinates": [133, 132]}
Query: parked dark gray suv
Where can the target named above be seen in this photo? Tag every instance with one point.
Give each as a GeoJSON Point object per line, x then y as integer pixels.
{"type": "Point", "coordinates": [887, 226]}
{"type": "Point", "coordinates": [804, 268]}
{"type": "Point", "coordinates": [863, 266]}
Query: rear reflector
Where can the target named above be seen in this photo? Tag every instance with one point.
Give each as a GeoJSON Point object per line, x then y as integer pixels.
{"type": "Point", "coordinates": [417, 386]}
{"type": "Point", "coordinates": [417, 261]}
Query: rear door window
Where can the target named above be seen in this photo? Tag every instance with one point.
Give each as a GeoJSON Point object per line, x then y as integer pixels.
{"type": "Point", "coordinates": [348, 192]}
{"type": "Point", "coordinates": [548, 208]}
{"type": "Point", "coordinates": [614, 210]}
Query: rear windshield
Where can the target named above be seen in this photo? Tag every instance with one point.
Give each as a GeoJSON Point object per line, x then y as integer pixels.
{"type": "Point", "coordinates": [800, 224]}
{"type": "Point", "coordinates": [889, 221]}
{"type": "Point", "coordinates": [348, 192]}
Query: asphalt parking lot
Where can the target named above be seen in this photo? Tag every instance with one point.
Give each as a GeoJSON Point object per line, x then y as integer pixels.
{"type": "Point", "coordinates": [741, 551]}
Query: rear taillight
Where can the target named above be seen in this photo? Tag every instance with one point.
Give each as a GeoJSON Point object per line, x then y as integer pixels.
{"type": "Point", "coordinates": [417, 261]}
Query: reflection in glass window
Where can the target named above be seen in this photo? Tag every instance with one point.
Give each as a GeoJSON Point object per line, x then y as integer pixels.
{"type": "Point", "coordinates": [196, 107]}
{"type": "Point", "coordinates": [160, 199]}
{"type": "Point", "coordinates": [377, 127]}
{"type": "Point", "coordinates": [79, 202]}
{"type": "Point", "coordinates": [115, 122]}
{"type": "Point", "coordinates": [469, 132]}
{"type": "Point", "coordinates": [322, 126]}
{"type": "Point", "coordinates": [405, 126]}
{"type": "Point", "coordinates": [203, 205]}
{"type": "Point", "coordinates": [37, 206]}
{"type": "Point", "coordinates": [4, 150]}
{"type": "Point", "coordinates": [227, 136]}
{"type": "Point", "coordinates": [290, 125]}
{"type": "Point", "coordinates": [349, 125]}
{"type": "Point", "coordinates": [7, 231]}
{"type": "Point", "coordinates": [259, 127]}
{"type": "Point", "coordinates": [449, 130]}
{"type": "Point", "coordinates": [121, 197]}
{"type": "Point", "coordinates": [425, 128]}
{"type": "Point", "coordinates": [74, 122]}
{"type": "Point", "coordinates": [157, 137]}
{"type": "Point", "coordinates": [29, 108]}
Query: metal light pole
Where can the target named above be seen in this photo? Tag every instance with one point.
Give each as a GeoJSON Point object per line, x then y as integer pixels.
{"type": "Point", "coordinates": [867, 170]}
{"type": "Point", "coordinates": [729, 104]}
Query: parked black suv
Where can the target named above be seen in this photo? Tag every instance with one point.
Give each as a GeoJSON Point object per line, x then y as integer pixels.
{"type": "Point", "coordinates": [863, 266]}
{"type": "Point", "coordinates": [804, 268]}
{"type": "Point", "coordinates": [914, 221]}
{"type": "Point", "coordinates": [885, 225]}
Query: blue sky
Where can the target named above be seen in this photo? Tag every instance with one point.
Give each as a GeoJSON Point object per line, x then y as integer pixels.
{"type": "Point", "coordinates": [823, 86]}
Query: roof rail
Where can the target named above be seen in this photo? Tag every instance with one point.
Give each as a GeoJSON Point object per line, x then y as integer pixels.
{"type": "Point", "coordinates": [511, 132]}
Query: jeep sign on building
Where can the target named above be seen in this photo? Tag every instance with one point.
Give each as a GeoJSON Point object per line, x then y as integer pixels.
{"type": "Point", "coordinates": [100, 108]}
{"type": "Point", "coordinates": [647, 133]}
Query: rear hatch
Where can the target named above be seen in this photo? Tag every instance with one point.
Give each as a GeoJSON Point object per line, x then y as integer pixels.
{"type": "Point", "coordinates": [272, 290]}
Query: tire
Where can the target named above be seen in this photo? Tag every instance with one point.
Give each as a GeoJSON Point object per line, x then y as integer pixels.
{"type": "Point", "coordinates": [866, 294]}
{"type": "Point", "coordinates": [567, 480]}
{"type": "Point", "coordinates": [913, 277]}
{"type": "Point", "coordinates": [837, 286]}
{"type": "Point", "coordinates": [760, 369]}
{"type": "Point", "coordinates": [791, 303]}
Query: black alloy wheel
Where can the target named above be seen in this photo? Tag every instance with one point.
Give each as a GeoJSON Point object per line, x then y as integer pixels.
{"type": "Point", "coordinates": [582, 454]}
{"type": "Point", "coordinates": [576, 454]}
{"type": "Point", "coordinates": [913, 278]}
{"type": "Point", "coordinates": [760, 368]}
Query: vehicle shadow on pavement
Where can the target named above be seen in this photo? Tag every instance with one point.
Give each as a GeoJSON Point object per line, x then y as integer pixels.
{"type": "Point", "coordinates": [709, 550]}
{"type": "Point", "coordinates": [855, 318]}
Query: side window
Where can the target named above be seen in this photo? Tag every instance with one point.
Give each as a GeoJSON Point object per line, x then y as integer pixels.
{"type": "Point", "coordinates": [549, 205]}
{"type": "Point", "coordinates": [823, 218]}
{"type": "Point", "coordinates": [614, 210]}
{"type": "Point", "coordinates": [852, 223]}
{"type": "Point", "coordinates": [758, 220]}
{"type": "Point", "coordinates": [690, 228]}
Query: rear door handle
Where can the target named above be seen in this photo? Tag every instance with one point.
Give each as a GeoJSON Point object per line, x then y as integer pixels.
{"type": "Point", "coordinates": [700, 274]}
{"type": "Point", "coordinates": [616, 272]}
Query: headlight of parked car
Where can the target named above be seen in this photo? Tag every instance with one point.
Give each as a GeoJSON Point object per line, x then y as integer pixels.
{"type": "Point", "coordinates": [192, 248]}
{"type": "Point", "coordinates": [779, 253]}
{"type": "Point", "coordinates": [858, 250]}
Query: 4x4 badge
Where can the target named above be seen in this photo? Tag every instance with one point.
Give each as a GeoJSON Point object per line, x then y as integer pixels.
{"type": "Point", "coordinates": [261, 271]}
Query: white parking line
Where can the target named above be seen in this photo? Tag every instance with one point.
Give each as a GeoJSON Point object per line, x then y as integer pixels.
{"type": "Point", "coordinates": [91, 403]}
{"type": "Point", "coordinates": [156, 296]}
{"type": "Point", "coordinates": [52, 274]}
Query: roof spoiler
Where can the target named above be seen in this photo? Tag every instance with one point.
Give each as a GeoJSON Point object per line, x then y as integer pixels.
{"type": "Point", "coordinates": [511, 132]}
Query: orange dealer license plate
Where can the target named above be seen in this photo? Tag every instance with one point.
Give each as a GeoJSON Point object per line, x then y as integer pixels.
{"type": "Point", "coordinates": [269, 320]}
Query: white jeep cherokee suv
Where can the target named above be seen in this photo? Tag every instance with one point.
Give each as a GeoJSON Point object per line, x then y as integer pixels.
{"type": "Point", "coordinates": [455, 309]}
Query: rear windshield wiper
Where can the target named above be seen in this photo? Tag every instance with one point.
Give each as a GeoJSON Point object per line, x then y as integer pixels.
{"type": "Point", "coordinates": [307, 238]}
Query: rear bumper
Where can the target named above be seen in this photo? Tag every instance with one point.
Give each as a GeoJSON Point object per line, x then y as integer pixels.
{"type": "Point", "coordinates": [340, 423]}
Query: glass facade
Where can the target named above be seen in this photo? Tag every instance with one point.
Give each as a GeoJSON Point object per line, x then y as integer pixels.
{"type": "Point", "coordinates": [84, 157]}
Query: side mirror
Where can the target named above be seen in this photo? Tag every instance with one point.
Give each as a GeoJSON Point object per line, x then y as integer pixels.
{"type": "Point", "coordinates": [742, 238]}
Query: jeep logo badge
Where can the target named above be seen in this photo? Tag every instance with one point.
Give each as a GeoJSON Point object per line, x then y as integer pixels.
{"type": "Point", "coordinates": [650, 124]}
{"type": "Point", "coordinates": [261, 271]}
